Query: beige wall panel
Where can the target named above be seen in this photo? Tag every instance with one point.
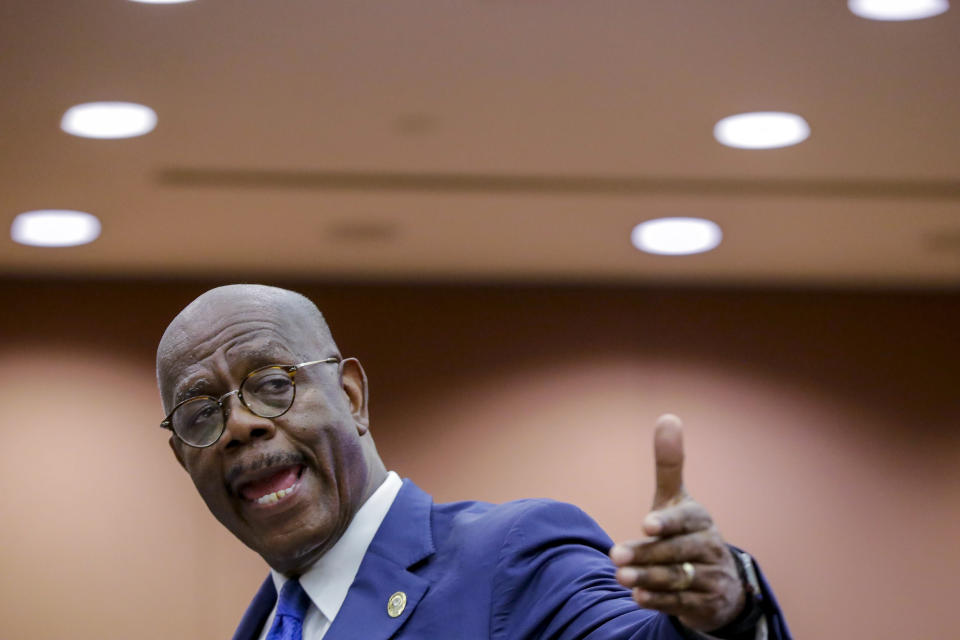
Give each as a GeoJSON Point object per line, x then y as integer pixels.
{"type": "Point", "coordinates": [822, 431]}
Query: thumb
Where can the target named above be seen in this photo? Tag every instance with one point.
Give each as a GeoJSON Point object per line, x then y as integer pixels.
{"type": "Point", "coordinates": [668, 455]}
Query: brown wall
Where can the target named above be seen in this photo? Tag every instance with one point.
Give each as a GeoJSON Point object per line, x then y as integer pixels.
{"type": "Point", "coordinates": [822, 431]}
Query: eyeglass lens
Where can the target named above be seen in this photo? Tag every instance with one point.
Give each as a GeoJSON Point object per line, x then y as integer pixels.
{"type": "Point", "coordinates": [198, 421]}
{"type": "Point", "coordinates": [267, 392]}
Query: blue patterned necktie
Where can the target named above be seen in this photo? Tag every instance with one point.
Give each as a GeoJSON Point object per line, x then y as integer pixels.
{"type": "Point", "coordinates": [291, 607]}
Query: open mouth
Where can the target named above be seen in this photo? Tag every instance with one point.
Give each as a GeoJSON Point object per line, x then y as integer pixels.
{"type": "Point", "coordinates": [273, 488]}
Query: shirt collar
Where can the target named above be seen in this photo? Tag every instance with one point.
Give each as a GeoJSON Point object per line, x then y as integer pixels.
{"type": "Point", "coordinates": [329, 578]}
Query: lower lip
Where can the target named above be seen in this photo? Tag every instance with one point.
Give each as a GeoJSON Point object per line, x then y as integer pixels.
{"type": "Point", "coordinates": [289, 493]}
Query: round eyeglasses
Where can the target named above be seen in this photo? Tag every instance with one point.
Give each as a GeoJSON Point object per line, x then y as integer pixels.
{"type": "Point", "coordinates": [267, 392]}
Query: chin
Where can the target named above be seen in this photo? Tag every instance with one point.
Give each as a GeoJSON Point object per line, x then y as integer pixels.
{"type": "Point", "coordinates": [294, 553]}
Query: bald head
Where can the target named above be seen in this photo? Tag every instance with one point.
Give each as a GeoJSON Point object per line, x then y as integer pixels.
{"type": "Point", "coordinates": [206, 321]}
{"type": "Point", "coordinates": [317, 452]}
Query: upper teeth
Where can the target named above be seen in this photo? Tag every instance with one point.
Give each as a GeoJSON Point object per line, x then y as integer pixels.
{"type": "Point", "coordinates": [270, 498]}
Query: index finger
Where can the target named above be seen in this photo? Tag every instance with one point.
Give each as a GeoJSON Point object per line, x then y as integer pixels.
{"type": "Point", "coordinates": [668, 456]}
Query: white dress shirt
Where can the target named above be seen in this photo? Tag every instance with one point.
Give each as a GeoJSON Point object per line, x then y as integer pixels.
{"type": "Point", "coordinates": [330, 577]}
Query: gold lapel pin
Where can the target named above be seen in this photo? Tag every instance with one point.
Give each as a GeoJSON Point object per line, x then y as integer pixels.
{"type": "Point", "coordinates": [396, 604]}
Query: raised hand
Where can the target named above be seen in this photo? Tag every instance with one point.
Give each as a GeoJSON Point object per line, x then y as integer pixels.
{"type": "Point", "coordinates": [683, 567]}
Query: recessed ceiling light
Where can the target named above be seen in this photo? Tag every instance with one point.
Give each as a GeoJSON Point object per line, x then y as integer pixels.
{"type": "Point", "coordinates": [160, 1]}
{"type": "Point", "coordinates": [55, 228]}
{"type": "Point", "coordinates": [676, 236]}
{"type": "Point", "coordinates": [761, 130]}
{"type": "Point", "coordinates": [897, 9]}
{"type": "Point", "coordinates": [109, 120]}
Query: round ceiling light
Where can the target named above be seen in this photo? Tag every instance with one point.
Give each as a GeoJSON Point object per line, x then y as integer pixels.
{"type": "Point", "coordinates": [761, 130]}
{"type": "Point", "coordinates": [55, 228]}
{"type": "Point", "coordinates": [897, 9]}
{"type": "Point", "coordinates": [108, 120]}
{"type": "Point", "coordinates": [676, 236]}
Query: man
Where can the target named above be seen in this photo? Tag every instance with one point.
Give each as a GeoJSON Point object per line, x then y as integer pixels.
{"type": "Point", "coordinates": [271, 423]}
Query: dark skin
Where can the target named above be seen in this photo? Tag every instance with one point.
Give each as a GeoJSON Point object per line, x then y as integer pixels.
{"type": "Point", "coordinates": [208, 349]}
{"type": "Point", "coordinates": [324, 438]}
{"type": "Point", "coordinates": [678, 530]}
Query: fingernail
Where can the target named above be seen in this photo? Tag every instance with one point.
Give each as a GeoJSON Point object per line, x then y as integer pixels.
{"type": "Point", "coordinates": [653, 524]}
{"type": "Point", "coordinates": [640, 595]}
{"type": "Point", "coordinates": [620, 554]}
{"type": "Point", "coordinates": [627, 575]}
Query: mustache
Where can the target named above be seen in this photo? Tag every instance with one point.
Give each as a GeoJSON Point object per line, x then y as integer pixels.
{"type": "Point", "coordinates": [263, 461]}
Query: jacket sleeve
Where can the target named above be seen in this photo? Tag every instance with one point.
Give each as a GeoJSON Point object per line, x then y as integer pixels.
{"type": "Point", "coordinates": [554, 581]}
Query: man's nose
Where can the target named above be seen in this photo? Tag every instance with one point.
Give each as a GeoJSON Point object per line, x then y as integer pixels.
{"type": "Point", "coordinates": [243, 426]}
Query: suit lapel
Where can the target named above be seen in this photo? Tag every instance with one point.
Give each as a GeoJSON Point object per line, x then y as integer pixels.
{"type": "Point", "coordinates": [403, 539]}
{"type": "Point", "coordinates": [256, 614]}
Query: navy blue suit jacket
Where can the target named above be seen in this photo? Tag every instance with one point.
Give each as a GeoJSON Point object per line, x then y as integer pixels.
{"type": "Point", "coordinates": [521, 570]}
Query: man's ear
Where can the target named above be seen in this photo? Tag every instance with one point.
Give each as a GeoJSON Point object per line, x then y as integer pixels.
{"type": "Point", "coordinates": [354, 381]}
{"type": "Point", "coordinates": [176, 451]}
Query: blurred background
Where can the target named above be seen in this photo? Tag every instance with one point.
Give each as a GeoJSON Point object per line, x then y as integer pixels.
{"type": "Point", "coordinates": [456, 184]}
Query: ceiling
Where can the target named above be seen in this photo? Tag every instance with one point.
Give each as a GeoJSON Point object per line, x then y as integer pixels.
{"type": "Point", "coordinates": [489, 140]}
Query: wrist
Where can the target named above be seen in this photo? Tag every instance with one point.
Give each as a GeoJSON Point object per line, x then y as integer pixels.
{"type": "Point", "coordinates": [744, 624]}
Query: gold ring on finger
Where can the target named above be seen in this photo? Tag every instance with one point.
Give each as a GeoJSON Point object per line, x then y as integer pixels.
{"type": "Point", "coordinates": [689, 572]}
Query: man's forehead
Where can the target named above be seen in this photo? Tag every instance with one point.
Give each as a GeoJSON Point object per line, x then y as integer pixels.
{"type": "Point", "coordinates": [240, 325]}
{"type": "Point", "coordinates": [240, 343]}
{"type": "Point", "coordinates": [202, 376]}
{"type": "Point", "coordinates": [217, 316]}
{"type": "Point", "coordinates": [255, 348]}
{"type": "Point", "coordinates": [198, 336]}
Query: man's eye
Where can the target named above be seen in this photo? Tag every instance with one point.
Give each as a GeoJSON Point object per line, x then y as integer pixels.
{"type": "Point", "coordinates": [199, 415]}
{"type": "Point", "coordinates": [278, 384]}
